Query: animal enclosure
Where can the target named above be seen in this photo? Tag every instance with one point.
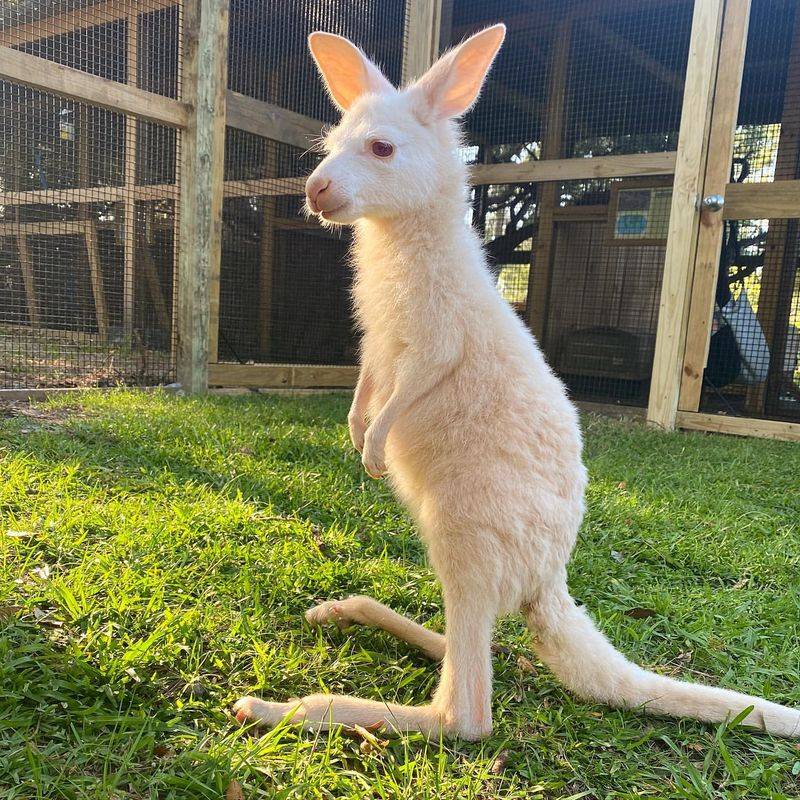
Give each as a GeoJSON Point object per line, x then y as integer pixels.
{"type": "Point", "coordinates": [603, 127]}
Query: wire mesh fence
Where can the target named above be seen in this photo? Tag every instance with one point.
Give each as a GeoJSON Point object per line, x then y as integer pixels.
{"type": "Point", "coordinates": [88, 202]}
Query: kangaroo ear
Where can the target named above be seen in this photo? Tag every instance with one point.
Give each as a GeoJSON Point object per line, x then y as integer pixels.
{"type": "Point", "coordinates": [347, 72]}
{"type": "Point", "coordinates": [453, 83]}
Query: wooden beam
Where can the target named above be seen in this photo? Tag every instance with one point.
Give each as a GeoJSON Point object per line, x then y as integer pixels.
{"type": "Point", "coordinates": [690, 167]}
{"type": "Point", "coordinates": [49, 228]}
{"type": "Point", "coordinates": [28, 279]}
{"type": "Point", "coordinates": [129, 205]}
{"type": "Point", "coordinates": [716, 181]}
{"type": "Point", "coordinates": [96, 276]}
{"type": "Point", "coordinates": [547, 201]}
{"type": "Point", "coordinates": [271, 121]}
{"type": "Point", "coordinates": [423, 18]}
{"type": "Point", "coordinates": [203, 157]}
{"type": "Point", "coordinates": [738, 426]}
{"type": "Point", "coordinates": [46, 76]}
{"type": "Point", "coordinates": [74, 20]}
{"type": "Point", "coordinates": [569, 169]}
{"type": "Point", "coordinates": [282, 375]}
{"type": "Point", "coordinates": [778, 200]}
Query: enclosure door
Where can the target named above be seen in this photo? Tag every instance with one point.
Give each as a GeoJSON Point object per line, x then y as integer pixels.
{"type": "Point", "coordinates": [741, 353]}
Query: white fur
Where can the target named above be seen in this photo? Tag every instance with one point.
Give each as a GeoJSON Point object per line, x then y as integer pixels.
{"type": "Point", "coordinates": [474, 430]}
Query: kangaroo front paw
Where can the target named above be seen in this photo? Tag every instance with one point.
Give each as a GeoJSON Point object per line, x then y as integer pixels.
{"type": "Point", "coordinates": [262, 712]}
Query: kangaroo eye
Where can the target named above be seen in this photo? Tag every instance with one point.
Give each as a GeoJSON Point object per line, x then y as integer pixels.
{"type": "Point", "coordinates": [382, 149]}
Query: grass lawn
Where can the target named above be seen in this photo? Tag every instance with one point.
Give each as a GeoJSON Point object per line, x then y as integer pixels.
{"type": "Point", "coordinates": [157, 554]}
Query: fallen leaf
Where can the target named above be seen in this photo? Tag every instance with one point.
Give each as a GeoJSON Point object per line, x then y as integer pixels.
{"type": "Point", "coordinates": [617, 556]}
{"type": "Point", "coordinates": [640, 613]}
{"type": "Point", "coordinates": [741, 583]}
{"type": "Point", "coordinates": [42, 572]}
{"type": "Point", "coordinates": [622, 485]}
{"type": "Point", "coordinates": [499, 763]}
{"type": "Point", "coordinates": [19, 534]}
{"type": "Point", "coordinates": [526, 665]}
{"type": "Point", "coordinates": [234, 791]}
{"type": "Point", "coordinates": [131, 672]}
{"type": "Point", "coordinates": [161, 751]}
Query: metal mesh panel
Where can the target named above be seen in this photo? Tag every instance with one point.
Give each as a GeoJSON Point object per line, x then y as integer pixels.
{"type": "Point", "coordinates": [753, 367]}
{"type": "Point", "coordinates": [88, 203]}
{"type": "Point", "coordinates": [95, 37]}
{"type": "Point", "coordinates": [616, 72]}
{"type": "Point", "coordinates": [769, 108]}
{"type": "Point", "coordinates": [284, 281]}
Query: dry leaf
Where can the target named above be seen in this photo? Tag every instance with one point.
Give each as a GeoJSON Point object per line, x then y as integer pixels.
{"type": "Point", "coordinates": [19, 534]}
{"type": "Point", "coordinates": [622, 485]}
{"type": "Point", "coordinates": [42, 572]}
{"type": "Point", "coordinates": [499, 763]}
{"type": "Point", "coordinates": [130, 671]}
{"type": "Point", "coordinates": [234, 791]}
{"type": "Point", "coordinates": [617, 556]}
{"type": "Point", "coordinates": [640, 613]}
{"type": "Point", "coordinates": [526, 665]}
{"type": "Point", "coordinates": [370, 742]}
{"type": "Point", "coordinates": [741, 583]}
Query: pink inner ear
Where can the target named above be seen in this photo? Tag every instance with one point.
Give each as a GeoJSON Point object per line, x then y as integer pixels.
{"type": "Point", "coordinates": [347, 72]}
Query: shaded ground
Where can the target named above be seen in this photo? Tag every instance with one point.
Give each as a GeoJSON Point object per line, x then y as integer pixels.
{"type": "Point", "coordinates": [157, 553]}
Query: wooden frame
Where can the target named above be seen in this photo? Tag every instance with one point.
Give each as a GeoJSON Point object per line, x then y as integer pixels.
{"type": "Point", "coordinates": [715, 181]}
{"type": "Point", "coordinates": [423, 22]}
{"type": "Point", "coordinates": [738, 426]}
{"type": "Point", "coordinates": [684, 222]}
{"type": "Point", "coordinates": [656, 182]}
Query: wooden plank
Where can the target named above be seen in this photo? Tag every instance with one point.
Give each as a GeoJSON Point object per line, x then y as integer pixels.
{"type": "Point", "coordinates": [709, 238]}
{"type": "Point", "coordinates": [780, 233]}
{"type": "Point", "coordinates": [203, 156]}
{"type": "Point", "coordinates": [282, 375]}
{"type": "Point", "coordinates": [28, 279]}
{"type": "Point", "coordinates": [569, 169]}
{"type": "Point", "coordinates": [552, 148]}
{"type": "Point", "coordinates": [54, 228]}
{"type": "Point", "coordinates": [92, 194]}
{"type": "Point", "coordinates": [150, 273]}
{"type": "Point", "coordinates": [129, 205]}
{"type": "Point", "coordinates": [265, 187]}
{"type": "Point", "coordinates": [611, 409]}
{"type": "Point", "coordinates": [690, 166]}
{"type": "Point", "coordinates": [778, 200]}
{"type": "Point", "coordinates": [96, 276]}
{"type": "Point", "coordinates": [73, 20]}
{"type": "Point", "coordinates": [423, 18]}
{"type": "Point", "coordinates": [38, 73]}
{"type": "Point", "coordinates": [271, 121]}
{"type": "Point", "coordinates": [738, 426]}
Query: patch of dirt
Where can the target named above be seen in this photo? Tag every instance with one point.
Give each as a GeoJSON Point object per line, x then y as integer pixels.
{"type": "Point", "coordinates": [42, 416]}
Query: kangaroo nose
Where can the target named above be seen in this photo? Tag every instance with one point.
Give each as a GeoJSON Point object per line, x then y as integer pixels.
{"type": "Point", "coordinates": [314, 188]}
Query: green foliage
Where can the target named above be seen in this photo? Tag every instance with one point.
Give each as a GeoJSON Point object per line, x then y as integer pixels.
{"type": "Point", "coordinates": [157, 553]}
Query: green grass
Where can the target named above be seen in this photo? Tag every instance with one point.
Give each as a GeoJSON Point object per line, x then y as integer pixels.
{"type": "Point", "coordinates": [157, 553]}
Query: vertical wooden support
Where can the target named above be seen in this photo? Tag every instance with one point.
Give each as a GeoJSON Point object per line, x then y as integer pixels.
{"type": "Point", "coordinates": [205, 60]}
{"type": "Point", "coordinates": [28, 279]}
{"type": "Point", "coordinates": [423, 18]}
{"type": "Point", "coordinates": [552, 147]}
{"type": "Point", "coordinates": [684, 221]}
{"type": "Point", "coordinates": [709, 237]}
{"type": "Point", "coordinates": [779, 233]}
{"type": "Point", "coordinates": [129, 204]}
{"type": "Point", "coordinates": [96, 277]}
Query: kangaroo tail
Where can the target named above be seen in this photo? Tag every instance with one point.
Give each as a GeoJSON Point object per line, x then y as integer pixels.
{"type": "Point", "coordinates": [568, 642]}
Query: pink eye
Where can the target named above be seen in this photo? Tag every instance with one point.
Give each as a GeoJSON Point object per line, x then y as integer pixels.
{"type": "Point", "coordinates": [382, 149]}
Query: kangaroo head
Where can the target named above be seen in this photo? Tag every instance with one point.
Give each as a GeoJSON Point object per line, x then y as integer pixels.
{"type": "Point", "coordinates": [393, 151]}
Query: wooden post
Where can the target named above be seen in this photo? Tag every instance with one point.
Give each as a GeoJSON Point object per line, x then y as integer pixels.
{"type": "Point", "coordinates": [709, 238]}
{"type": "Point", "coordinates": [28, 279]}
{"type": "Point", "coordinates": [552, 147]}
{"type": "Point", "coordinates": [423, 18]}
{"type": "Point", "coordinates": [129, 204]}
{"type": "Point", "coordinates": [205, 59]}
{"type": "Point", "coordinates": [684, 221]}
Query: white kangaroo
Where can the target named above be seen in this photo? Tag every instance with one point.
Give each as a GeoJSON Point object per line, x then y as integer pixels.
{"type": "Point", "coordinates": [475, 433]}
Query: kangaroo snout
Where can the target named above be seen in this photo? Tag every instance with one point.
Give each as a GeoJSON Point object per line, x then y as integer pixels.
{"type": "Point", "coordinates": [323, 194]}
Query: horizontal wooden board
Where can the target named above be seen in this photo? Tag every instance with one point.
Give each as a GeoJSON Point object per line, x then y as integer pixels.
{"type": "Point", "coordinates": [38, 73]}
{"type": "Point", "coordinates": [778, 200]}
{"type": "Point", "coordinates": [738, 426]}
{"type": "Point", "coordinates": [281, 375]}
{"type": "Point", "coordinates": [271, 121]}
{"type": "Point", "coordinates": [560, 169]}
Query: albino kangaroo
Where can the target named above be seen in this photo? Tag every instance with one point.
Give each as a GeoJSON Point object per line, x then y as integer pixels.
{"type": "Point", "coordinates": [475, 432]}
